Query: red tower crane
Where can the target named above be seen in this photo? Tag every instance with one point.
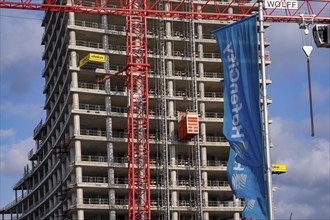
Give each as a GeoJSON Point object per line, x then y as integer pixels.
{"type": "Point", "coordinates": [136, 13]}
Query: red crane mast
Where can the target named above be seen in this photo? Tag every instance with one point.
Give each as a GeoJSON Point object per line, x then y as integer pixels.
{"type": "Point", "coordinates": [137, 112]}
{"type": "Point", "coordinates": [137, 12]}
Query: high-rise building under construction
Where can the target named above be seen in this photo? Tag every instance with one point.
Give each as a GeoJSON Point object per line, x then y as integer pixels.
{"type": "Point", "coordinates": [79, 165]}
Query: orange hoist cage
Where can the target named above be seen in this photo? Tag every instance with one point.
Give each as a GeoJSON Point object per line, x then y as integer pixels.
{"type": "Point", "coordinates": [187, 125]}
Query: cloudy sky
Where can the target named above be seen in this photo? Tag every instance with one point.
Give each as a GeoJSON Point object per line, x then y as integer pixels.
{"type": "Point", "coordinates": [303, 191]}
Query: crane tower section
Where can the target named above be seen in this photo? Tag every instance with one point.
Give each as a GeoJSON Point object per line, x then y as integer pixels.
{"type": "Point", "coordinates": [137, 112]}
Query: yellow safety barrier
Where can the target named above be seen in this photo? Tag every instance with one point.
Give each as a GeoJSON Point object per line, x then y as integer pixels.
{"type": "Point", "coordinates": [278, 168]}
{"type": "Point", "coordinates": [92, 60]}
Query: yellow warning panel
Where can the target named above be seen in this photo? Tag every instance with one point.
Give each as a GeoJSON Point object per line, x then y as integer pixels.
{"type": "Point", "coordinates": [92, 61]}
{"type": "Point", "coordinates": [278, 168]}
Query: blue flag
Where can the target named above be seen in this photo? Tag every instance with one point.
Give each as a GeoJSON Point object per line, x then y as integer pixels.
{"type": "Point", "coordinates": [238, 45]}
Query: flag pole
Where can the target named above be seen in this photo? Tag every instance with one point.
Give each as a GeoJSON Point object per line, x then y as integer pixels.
{"type": "Point", "coordinates": [265, 114]}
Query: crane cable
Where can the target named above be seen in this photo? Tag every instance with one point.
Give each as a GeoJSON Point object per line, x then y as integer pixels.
{"type": "Point", "coordinates": [307, 48]}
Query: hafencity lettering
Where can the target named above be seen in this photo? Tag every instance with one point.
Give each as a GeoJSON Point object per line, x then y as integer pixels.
{"type": "Point", "coordinates": [234, 75]}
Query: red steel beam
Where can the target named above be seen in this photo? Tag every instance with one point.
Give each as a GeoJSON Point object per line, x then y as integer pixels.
{"type": "Point", "coordinates": [210, 10]}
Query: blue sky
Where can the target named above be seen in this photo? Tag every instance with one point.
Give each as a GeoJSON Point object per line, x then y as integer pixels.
{"type": "Point", "coordinates": [304, 190]}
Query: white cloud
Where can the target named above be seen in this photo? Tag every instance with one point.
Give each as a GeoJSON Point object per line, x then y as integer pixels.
{"type": "Point", "coordinates": [7, 133]}
{"type": "Point", "coordinates": [20, 38]}
{"type": "Point", "coordinates": [304, 189]}
{"type": "Point", "coordinates": [30, 112]}
{"type": "Point", "coordinates": [14, 156]}
{"type": "Point", "coordinates": [20, 52]}
{"type": "Point", "coordinates": [320, 93]}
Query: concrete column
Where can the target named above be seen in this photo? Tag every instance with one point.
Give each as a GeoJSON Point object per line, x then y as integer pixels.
{"type": "Point", "coordinates": [202, 109]}
{"type": "Point", "coordinates": [206, 203]}
{"type": "Point", "coordinates": [75, 96]}
{"type": "Point", "coordinates": [174, 198]}
{"type": "Point", "coordinates": [169, 68]}
{"type": "Point", "coordinates": [200, 31]}
{"type": "Point", "coordinates": [204, 178]}
{"type": "Point", "coordinates": [203, 131]}
{"type": "Point", "coordinates": [72, 155]}
{"type": "Point", "coordinates": [73, 54]}
{"type": "Point", "coordinates": [172, 155]}
{"type": "Point", "coordinates": [111, 176]}
{"type": "Point", "coordinates": [71, 131]}
{"type": "Point", "coordinates": [108, 101]}
{"type": "Point", "coordinates": [74, 81]}
{"type": "Point", "coordinates": [168, 29]}
{"type": "Point", "coordinates": [112, 202]}
{"type": "Point", "coordinates": [77, 150]}
{"type": "Point", "coordinates": [204, 156]}
{"type": "Point", "coordinates": [80, 196]}
{"type": "Point", "coordinates": [78, 174]}
{"type": "Point", "coordinates": [169, 48]}
{"type": "Point", "coordinates": [110, 152]}
{"type": "Point", "coordinates": [206, 215]}
{"type": "Point", "coordinates": [108, 128]}
{"type": "Point", "coordinates": [72, 40]}
{"type": "Point", "coordinates": [175, 216]}
{"type": "Point", "coordinates": [76, 124]}
{"type": "Point", "coordinates": [80, 214]}
{"type": "Point", "coordinates": [201, 89]}
{"type": "Point", "coordinates": [111, 179]}
{"type": "Point", "coordinates": [171, 131]}
{"type": "Point", "coordinates": [200, 51]}
{"type": "Point", "coordinates": [170, 109]}
{"type": "Point", "coordinates": [173, 178]}
{"type": "Point", "coordinates": [201, 70]}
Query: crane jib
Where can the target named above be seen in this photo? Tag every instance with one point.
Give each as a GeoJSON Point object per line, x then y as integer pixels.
{"type": "Point", "coordinates": [286, 11]}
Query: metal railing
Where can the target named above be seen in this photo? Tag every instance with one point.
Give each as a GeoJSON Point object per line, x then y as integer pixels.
{"type": "Point", "coordinates": [213, 75]}
{"type": "Point", "coordinates": [99, 25]}
{"type": "Point", "coordinates": [96, 201]}
{"type": "Point", "coordinates": [216, 163]}
{"type": "Point", "coordinates": [211, 55]}
{"type": "Point", "coordinates": [119, 134]}
{"type": "Point", "coordinates": [208, 36]}
{"type": "Point", "coordinates": [93, 158]}
{"type": "Point", "coordinates": [215, 139]}
{"type": "Point", "coordinates": [95, 179]}
{"type": "Point", "coordinates": [92, 107]}
{"type": "Point", "coordinates": [119, 160]}
{"type": "Point", "coordinates": [213, 94]}
{"type": "Point", "coordinates": [122, 50]}
{"type": "Point", "coordinates": [183, 182]}
{"type": "Point", "coordinates": [94, 86]}
{"type": "Point", "coordinates": [218, 183]}
{"type": "Point", "coordinates": [213, 115]}
{"type": "Point", "coordinates": [224, 204]}
{"type": "Point", "coordinates": [185, 203]}
{"type": "Point", "coordinates": [93, 132]}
